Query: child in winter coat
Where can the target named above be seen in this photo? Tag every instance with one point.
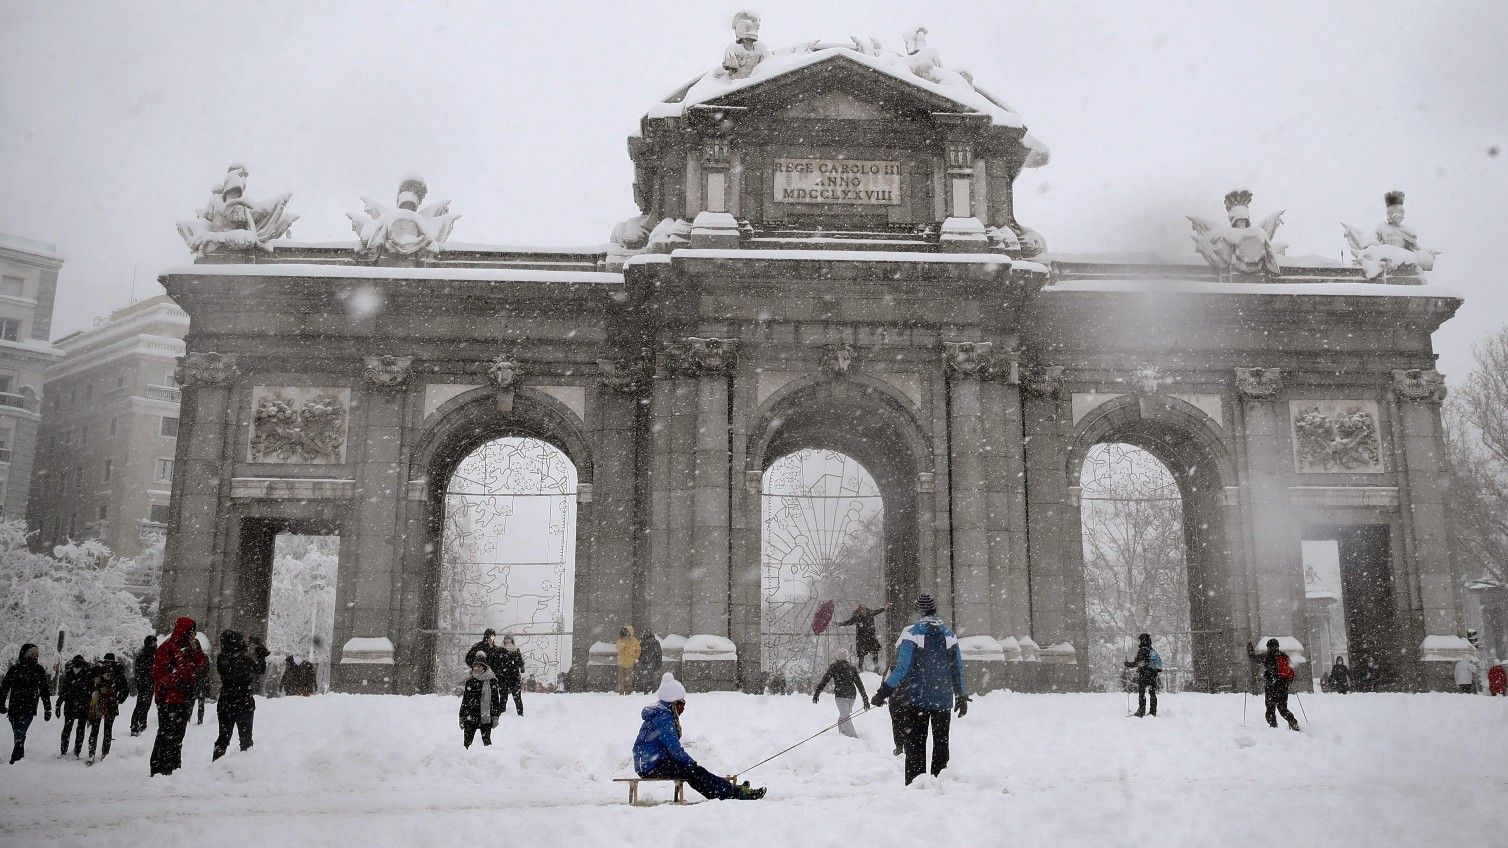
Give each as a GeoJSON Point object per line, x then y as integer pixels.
{"type": "Point", "coordinates": [481, 702]}
{"type": "Point", "coordinates": [74, 691]}
{"type": "Point", "coordinates": [109, 690]}
{"type": "Point", "coordinates": [658, 751]}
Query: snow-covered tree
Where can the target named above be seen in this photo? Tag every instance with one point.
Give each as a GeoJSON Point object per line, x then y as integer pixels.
{"type": "Point", "coordinates": [1476, 442]}
{"type": "Point", "coordinates": [79, 589]}
{"type": "Point", "coordinates": [301, 607]}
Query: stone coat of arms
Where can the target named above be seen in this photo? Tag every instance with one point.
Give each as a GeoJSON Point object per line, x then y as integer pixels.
{"type": "Point", "coordinates": [1336, 436]}
{"type": "Point", "coordinates": [299, 425]}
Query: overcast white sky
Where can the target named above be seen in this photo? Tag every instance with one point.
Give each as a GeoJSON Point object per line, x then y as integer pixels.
{"type": "Point", "coordinates": [116, 118]}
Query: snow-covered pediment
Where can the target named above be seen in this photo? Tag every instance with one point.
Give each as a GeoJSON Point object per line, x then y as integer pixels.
{"type": "Point", "coordinates": [837, 105]}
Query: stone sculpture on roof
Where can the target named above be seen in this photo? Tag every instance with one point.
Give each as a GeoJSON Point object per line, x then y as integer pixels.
{"type": "Point", "coordinates": [1393, 247]}
{"type": "Point", "coordinates": [405, 230]}
{"type": "Point", "coordinates": [230, 222]}
{"type": "Point", "coordinates": [1239, 247]}
{"type": "Point", "coordinates": [746, 51]}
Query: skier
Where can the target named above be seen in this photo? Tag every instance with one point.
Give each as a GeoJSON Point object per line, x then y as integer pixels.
{"type": "Point", "coordinates": [25, 684]}
{"type": "Point", "coordinates": [509, 669]}
{"type": "Point", "coordinates": [74, 690]}
{"type": "Point", "coordinates": [109, 690]}
{"type": "Point", "coordinates": [658, 751]}
{"type": "Point", "coordinates": [175, 671]}
{"type": "Point", "coordinates": [487, 647]}
{"type": "Point", "coordinates": [651, 658]}
{"type": "Point", "coordinates": [239, 666]}
{"type": "Point", "coordinates": [846, 684]}
{"type": "Point", "coordinates": [866, 643]}
{"type": "Point", "coordinates": [1277, 673]}
{"type": "Point", "coordinates": [1148, 665]}
{"type": "Point", "coordinates": [1340, 676]}
{"type": "Point", "coordinates": [929, 672]}
{"type": "Point", "coordinates": [481, 701]}
{"type": "Point", "coordinates": [628, 654]}
{"type": "Point", "coordinates": [141, 671]}
{"type": "Point", "coordinates": [1466, 675]}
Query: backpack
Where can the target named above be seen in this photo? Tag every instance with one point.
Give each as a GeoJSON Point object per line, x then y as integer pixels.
{"type": "Point", "coordinates": [1154, 659]}
{"type": "Point", "coordinates": [1285, 669]}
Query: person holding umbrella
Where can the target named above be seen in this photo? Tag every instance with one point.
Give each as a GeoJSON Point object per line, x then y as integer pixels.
{"type": "Point", "coordinates": [866, 643]}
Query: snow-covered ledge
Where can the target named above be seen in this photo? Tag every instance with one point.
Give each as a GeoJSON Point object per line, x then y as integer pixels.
{"type": "Point", "coordinates": [602, 653]}
{"type": "Point", "coordinates": [672, 647]}
{"type": "Point", "coordinates": [1445, 649]}
{"type": "Point", "coordinates": [707, 648]}
{"type": "Point", "coordinates": [1010, 648]}
{"type": "Point", "coordinates": [1029, 648]}
{"type": "Point", "coordinates": [367, 650]}
{"type": "Point", "coordinates": [981, 649]}
{"type": "Point", "coordinates": [1062, 653]}
{"type": "Point", "coordinates": [963, 235]}
{"type": "Point", "coordinates": [709, 664]}
{"type": "Point", "coordinates": [1288, 645]}
{"type": "Point", "coordinates": [714, 231]}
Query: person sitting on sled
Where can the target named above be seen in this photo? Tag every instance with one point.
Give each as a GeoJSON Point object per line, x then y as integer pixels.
{"type": "Point", "coordinates": [658, 751]}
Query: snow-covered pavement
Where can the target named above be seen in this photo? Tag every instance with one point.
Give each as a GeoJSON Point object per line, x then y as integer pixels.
{"type": "Point", "coordinates": [1370, 770]}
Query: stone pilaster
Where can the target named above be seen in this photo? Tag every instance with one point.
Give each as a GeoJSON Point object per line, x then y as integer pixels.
{"type": "Point", "coordinates": [1418, 441]}
{"type": "Point", "coordinates": [969, 366]}
{"type": "Point", "coordinates": [1275, 560]}
{"type": "Point", "coordinates": [1052, 518]}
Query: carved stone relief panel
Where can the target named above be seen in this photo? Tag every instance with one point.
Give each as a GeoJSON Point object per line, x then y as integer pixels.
{"type": "Point", "coordinates": [299, 424]}
{"type": "Point", "coordinates": [1336, 436]}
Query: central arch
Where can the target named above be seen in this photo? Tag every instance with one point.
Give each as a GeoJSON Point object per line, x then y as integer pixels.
{"type": "Point", "coordinates": [1189, 445]}
{"type": "Point", "coordinates": [872, 423]}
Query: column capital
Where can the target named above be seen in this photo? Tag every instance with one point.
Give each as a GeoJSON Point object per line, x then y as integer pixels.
{"type": "Point", "coordinates": [206, 368]}
{"type": "Point", "coordinates": [1259, 383]}
{"type": "Point", "coordinates": [1044, 380]}
{"type": "Point", "coordinates": [696, 357]}
{"type": "Point", "coordinates": [626, 375]}
{"type": "Point", "coordinates": [387, 371]}
{"type": "Point", "coordinates": [981, 360]}
{"type": "Point", "coordinates": [1422, 385]}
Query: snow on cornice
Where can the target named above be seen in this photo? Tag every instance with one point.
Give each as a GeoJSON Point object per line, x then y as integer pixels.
{"type": "Point", "coordinates": [1160, 285]}
{"type": "Point", "coordinates": [368, 272]}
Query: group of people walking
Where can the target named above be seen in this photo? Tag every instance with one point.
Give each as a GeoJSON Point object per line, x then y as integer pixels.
{"type": "Point", "coordinates": [496, 672]}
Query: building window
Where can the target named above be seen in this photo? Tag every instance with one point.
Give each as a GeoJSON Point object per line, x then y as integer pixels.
{"type": "Point", "coordinates": [109, 468]}
{"type": "Point", "coordinates": [73, 525]}
{"type": "Point", "coordinates": [113, 423]}
{"type": "Point", "coordinates": [10, 329]}
{"type": "Point", "coordinates": [120, 380]}
{"type": "Point", "coordinates": [8, 382]}
{"type": "Point", "coordinates": [164, 471]}
{"type": "Point", "coordinates": [102, 513]}
{"type": "Point", "coordinates": [84, 436]}
{"type": "Point", "coordinates": [13, 286]}
{"type": "Point", "coordinates": [158, 514]}
{"type": "Point", "coordinates": [5, 444]}
{"type": "Point", "coordinates": [169, 428]}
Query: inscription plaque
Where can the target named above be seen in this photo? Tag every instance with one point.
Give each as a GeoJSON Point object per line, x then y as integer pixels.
{"type": "Point", "coordinates": [841, 182]}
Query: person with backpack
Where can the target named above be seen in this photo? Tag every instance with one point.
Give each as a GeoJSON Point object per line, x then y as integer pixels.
{"type": "Point", "coordinates": [1277, 674]}
{"type": "Point", "coordinates": [928, 672]}
{"type": "Point", "coordinates": [74, 690]}
{"type": "Point", "coordinates": [141, 671]}
{"type": "Point", "coordinates": [846, 685]}
{"type": "Point", "coordinates": [24, 684]}
{"type": "Point", "coordinates": [1148, 665]}
{"type": "Point", "coordinates": [175, 674]}
{"type": "Point", "coordinates": [109, 691]}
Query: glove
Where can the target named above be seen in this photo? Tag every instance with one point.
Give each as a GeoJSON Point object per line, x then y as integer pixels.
{"type": "Point", "coordinates": [880, 697]}
{"type": "Point", "coordinates": [962, 707]}
{"type": "Point", "coordinates": [865, 702]}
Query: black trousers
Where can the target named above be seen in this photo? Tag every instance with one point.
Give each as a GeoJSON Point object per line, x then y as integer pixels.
{"type": "Point", "coordinates": [914, 724]}
{"type": "Point", "coordinates": [108, 722]}
{"type": "Point", "coordinates": [238, 720]}
{"type": "Point", "coordinates": [514, 688]}
{"type": "Point", "coordinates": [167, 749]}
{"type": "Point", "coordinates": [707, 784]}
{"type": "Point", "coordinates": [18, 725]}
{"type": "Point", "coordinates": [74, 724]}
{"type": "Point", "coordinates": [1277, 702]}
{"type": "Point", "coordinates": [897, 728]}
{"type": "Point", "coordinates": [1145, 685]}
{"type": "Point", "coordinates": [139, 714]}
{"type": "Point", "coordinates": [468, 733]}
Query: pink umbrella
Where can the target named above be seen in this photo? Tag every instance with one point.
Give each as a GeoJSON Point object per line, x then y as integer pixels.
{"type": "Point", "coordinates": [823, 617]}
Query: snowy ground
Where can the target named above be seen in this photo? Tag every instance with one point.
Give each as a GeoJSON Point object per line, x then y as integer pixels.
{"type": "Point", "coordinates": [1413, 770]}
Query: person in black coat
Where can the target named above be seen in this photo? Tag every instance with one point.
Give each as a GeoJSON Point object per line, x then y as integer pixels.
{"type": "Point", "coordinates": [1340, 676]}
{"type": "Point", "coordinates": [1146, 675]}
{"type": "Point", "coordinates": [1275, 682]}
{"type": "Point", "coordinates": [866, 643]}
{"type": "Point", "coordinates": [141, 671]}
{"type": "Point", "coordinates": [74, 690]}
{"type": "Point", "coordinates": [25, 684]}
{"type": "Point", "coordinates": [240, 666]}
{"type": "Point", "coordinates": [487, 647]}
{"type": "Point", "coordinates": [481, 702]}
{"type": "Point", "coordinates": [651, 658]}
{"type": "Point", "coordinates": [109, 691]}
{"type": "Point", "coordinates": [509, 669]}
{"type": "Point", "coordinates": [846, 685]}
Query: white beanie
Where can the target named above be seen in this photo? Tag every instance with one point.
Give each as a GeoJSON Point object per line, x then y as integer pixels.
{"type": "Point", "coordinates": [671, 689]}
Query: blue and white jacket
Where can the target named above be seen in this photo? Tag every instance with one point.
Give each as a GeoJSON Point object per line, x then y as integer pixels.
{"type": "Point", "coordinates": [928, 669]}
{"type": "Point", "coordinates": [659, 740]}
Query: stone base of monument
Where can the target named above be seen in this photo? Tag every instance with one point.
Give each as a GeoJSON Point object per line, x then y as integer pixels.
{"type": "Point", "coordinates": [601, 668]}
{"type": "Point", "coordinates": [984, 675]}
{"type": "Point", "coordinates": [709, 664]}
{"type": "Point", "coordinates": [365, 667]}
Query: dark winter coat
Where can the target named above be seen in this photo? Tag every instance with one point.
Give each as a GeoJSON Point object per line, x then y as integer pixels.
{"type": "Point", "coordinates": [493, 652]}
{"type": "Point", "coordinates": [651, 655]}
{"type": "Point", "coordinates": [176, 666]}
{"type": "Point", "coordinates": [75, 688]}
{"type": "Point", "coordinates": [109, 689]}
{"type": "Point", "coordinates": [1340, 677]}
{"type": "Point", "coordinates": [846, 681]}
{"type": "Point", "coordinates": [471, 701]}
{"type": "Point", "coordinates": [23, 686]}
{"type": "Point", "coordinates": [142, 671]}
{"type": "Point", "coordinates": [240, 666]}
{"type": "Point", "coordinates": [1145, 673]}
{"type": "Point", "coordinates": [1269, 661]}
{"type": "Point", "coordinates": [299, 678]}
{"type": "Point", "coordinates": [510, 667]}
{"type": "Point", "coordinates": [864, 636]}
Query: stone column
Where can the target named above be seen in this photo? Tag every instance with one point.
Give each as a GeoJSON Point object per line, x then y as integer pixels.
{"type": "Point", "coordinates": [606, 515]}
{"type": "Point", "coordinates": [1273, 538]}
{"type": "Point", "coordinates": [1005, 492]}
{"type": "Point", "coordinates": [196, 569]}
{"type": "Point", "coordinates": [667, 579]}
{"type": "Point", "coordinates": [1417, 395]}
{"type": "Point", "coordinates": [968, 363]}
{"type": "Point", "coordinates": [1049, 512]}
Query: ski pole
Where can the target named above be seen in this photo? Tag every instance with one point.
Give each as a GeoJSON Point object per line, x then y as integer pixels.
{"type": "Point", "coordinates": [1244, 694]}
{"type": "Point", "coordinates": [1301, 707]}
{"type": "Point", "coordinates": [804, 741]}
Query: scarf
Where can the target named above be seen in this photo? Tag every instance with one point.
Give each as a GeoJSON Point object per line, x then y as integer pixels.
{"type": "Point", "coordinates": [489, 680]}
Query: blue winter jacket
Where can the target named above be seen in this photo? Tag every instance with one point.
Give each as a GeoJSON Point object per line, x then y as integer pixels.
{"type": "Point", "coordinates": [929, 667]}
{"type": "Point", "coordinates": [658, 740]}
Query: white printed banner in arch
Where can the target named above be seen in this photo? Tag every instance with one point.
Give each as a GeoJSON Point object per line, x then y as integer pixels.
{"type": "Point", "coordinates": [844, 182]}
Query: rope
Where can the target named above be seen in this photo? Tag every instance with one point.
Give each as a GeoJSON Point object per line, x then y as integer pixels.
{"type": "Point", "coordinates": [804, 741]}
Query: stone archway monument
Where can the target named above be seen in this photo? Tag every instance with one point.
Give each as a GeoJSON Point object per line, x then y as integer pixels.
{"type": "Point", "coordinates": [827, 255]}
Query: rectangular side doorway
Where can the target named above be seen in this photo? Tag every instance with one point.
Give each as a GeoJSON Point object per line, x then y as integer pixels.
{"type": "Point", "coordinates": [1350, 588]}
{"type": "Point", "coordinates": [285, 594]}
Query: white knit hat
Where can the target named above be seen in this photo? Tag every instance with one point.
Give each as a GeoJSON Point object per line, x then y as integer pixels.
{"type": "Point", "coordinates": [671, 689]}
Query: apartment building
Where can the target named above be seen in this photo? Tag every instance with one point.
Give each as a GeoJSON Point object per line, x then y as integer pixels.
{"type": "Point", "coordinates": [28, 287]}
